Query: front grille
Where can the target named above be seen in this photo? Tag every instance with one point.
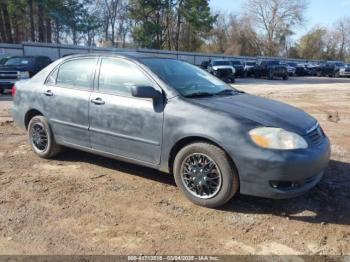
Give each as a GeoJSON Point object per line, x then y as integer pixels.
{"type": "Point", "coordinates": [316, 135]}
{"type": "Point", "coordinates": [8, 75]}
{"type": "Point", "coordinates": [224, 72]}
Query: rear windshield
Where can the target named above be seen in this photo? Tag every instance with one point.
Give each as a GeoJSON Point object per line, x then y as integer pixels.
{"type": "Point", "coordinates": [17, 61]}
{"type": "Point", "coordinates": [220, 63]}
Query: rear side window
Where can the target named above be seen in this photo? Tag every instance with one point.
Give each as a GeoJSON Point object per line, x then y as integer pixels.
{"type": "Point", "coordinates": [117, 76]}
{"type": "Point", "coordinates": [76, 73]}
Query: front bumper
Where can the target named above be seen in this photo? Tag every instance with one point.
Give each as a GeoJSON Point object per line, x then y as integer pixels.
{"type": "Point", "coordinates": [282, 174]}
{"type": "Point", "coordinates": [344, 73]}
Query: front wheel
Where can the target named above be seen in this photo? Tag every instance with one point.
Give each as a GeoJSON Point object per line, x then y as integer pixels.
{"type": "Point", "coordinates": [204, 173]}
{"type": "Point", "coordinates": [41, 138]}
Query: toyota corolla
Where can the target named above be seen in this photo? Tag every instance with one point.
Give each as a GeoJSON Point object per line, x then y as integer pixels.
{"type": "Point", "coordinates": [174, 117]}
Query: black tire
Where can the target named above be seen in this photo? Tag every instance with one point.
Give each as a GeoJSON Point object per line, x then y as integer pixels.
{"type": "Point", "coordinates": [2, 91]}
{"type": "Point", "coordinates": [285, 77]}
{"type": "Point", "coordinates": [337, 75]}
{"type": "Point", "coordinates": [52, 149]}
{"type": "Point", "coordinates": [229, 177]}
{"type": "Point", "coordinates": [269, 75]}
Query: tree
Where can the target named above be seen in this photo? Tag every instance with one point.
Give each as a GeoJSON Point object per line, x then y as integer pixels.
{"type": "Point", "coordinates": [312, 44]}
{"type": "Point", "coordinates": [198, 21]}
{"type": "Point", "coordinates": [274, 18]}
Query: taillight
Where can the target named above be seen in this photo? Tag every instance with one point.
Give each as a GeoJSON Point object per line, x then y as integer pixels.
{"type": "Point", "coordinates": [13, 90]}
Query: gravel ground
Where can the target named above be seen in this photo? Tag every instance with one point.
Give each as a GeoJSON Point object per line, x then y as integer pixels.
{"type": "Point", "coordinates": [84, 204]}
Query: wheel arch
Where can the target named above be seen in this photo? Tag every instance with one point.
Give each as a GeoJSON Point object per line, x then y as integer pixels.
{"type": "Point", "coordinates": [30, 114]}
{"type": "Point", "coordinates": [181, 143]}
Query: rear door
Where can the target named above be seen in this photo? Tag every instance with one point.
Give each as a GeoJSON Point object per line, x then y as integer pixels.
{"type": "Point", "coordinates": [121, 124]}
{"type": "Point", "coordinates": [66, 96]}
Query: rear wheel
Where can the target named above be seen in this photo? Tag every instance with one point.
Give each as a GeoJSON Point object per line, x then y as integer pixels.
{"type": "Point", "coordinates": [204, 173]}
{"type": "Point", "coordinates": [285, 77]}
{"type": "Point", "coordinates": [41, 138]}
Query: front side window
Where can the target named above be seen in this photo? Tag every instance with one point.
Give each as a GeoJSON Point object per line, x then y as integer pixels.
{"type": "Point", "coordinates": [76, 73]}
{"type": "Point", "coordinates": [117, 76]}
{"type": "Point", "coordinates": [236, 62]}
{"type": "Point", "coordinates": [221, 63]}
{"type": "Point", "coordinates": [187, 79]}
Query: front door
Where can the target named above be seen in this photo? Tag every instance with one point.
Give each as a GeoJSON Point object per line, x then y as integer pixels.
{"type": "Point", "coordinates": [66, 96]}
{"type": "Point", "coordinates": [121, 124]}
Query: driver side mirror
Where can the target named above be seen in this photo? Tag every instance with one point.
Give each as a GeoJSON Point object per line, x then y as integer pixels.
{"type": "Point", "coordinates": [145, 92]}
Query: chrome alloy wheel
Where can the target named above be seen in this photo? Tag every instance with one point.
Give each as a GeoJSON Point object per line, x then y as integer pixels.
{"type": "Point", "coordinates": [201, 176]}
{"type": "Point", "coordinates": [39, 137]}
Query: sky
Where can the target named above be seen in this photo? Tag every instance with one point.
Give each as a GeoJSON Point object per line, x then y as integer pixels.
{"type": "Point", "coordinates": [319, 12]}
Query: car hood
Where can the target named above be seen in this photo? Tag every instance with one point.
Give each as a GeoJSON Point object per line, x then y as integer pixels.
{"type": "Point", "coordinates": [263, 111]}
{"type": "Point", "coordinates": [223, 67]}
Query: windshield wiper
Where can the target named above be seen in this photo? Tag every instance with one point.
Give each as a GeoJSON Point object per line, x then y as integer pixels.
{"type": "Point", "coordinates": [199, 94]}
{"type": "Point", "coordinates": [228, 92]}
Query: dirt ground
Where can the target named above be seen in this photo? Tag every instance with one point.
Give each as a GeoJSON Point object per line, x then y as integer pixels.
{"type": "Point", "coordinates": [84, 204]}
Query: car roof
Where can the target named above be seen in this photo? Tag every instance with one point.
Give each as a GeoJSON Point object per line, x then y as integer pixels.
{"type": "Point", "coordinates": [131, 55]}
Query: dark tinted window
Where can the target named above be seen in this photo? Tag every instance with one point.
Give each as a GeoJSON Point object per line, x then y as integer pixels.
{"type": "Point", "coordinates": [118, 75]}
{"type": "Point", "coordinates": [236, 63]}
{"type": "Point", "coordinates": [274, 62]}
{"type": "Point", "coordinates": [220, 63]}
{"type": "Point", "coordinates": [76, 73]}
{"type": "Point", "coordinates": [250, 63]}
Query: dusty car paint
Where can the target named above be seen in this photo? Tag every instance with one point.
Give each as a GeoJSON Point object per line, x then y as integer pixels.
{"type": "Point", "coordinates": [149, 133]}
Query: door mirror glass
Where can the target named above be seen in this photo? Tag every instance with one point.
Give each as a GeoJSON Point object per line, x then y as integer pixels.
{"type": "Point", "coordinates": [145, 92]}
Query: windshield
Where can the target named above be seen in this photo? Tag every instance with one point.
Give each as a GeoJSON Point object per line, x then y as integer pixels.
{"type": "Point", "coordinates": [236, 62]}
{"type": "Point", "coordinates": [220, 63]}
{"type": "Point", "coordinates": [187, 79]}
{"type": "Point", "coordinates": [273, 62]}
{"type": "Point", "coordinates": [17, 61]}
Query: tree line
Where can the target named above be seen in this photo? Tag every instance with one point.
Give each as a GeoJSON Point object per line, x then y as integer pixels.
{"type": "Point", "coordinates": [264, 27]}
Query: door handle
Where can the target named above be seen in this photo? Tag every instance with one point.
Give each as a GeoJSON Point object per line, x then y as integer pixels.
{"type": "Point", "coordinates": [98, 101]}
{"type": "Point", "coordinates": [48, 93]}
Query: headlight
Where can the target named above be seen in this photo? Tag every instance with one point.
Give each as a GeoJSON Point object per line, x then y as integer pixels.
{"type": "Point", "coordinates": [24, 74]}
{"type": "Point", "coordinates": [277, 138]}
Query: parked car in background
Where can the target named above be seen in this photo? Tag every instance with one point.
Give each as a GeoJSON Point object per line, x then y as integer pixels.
{"type": "Point", "coordinates": [19, 68]}
{"type": "Point", "coordinates": [332, 69]}
{"type": "Point", "coordinates": [312, 69]}
{"type": "Point", "coordinates": [204, 65]}
{"type": "Point", "coordinates": [271, 69]}
{"type": "Point", "coordinates": [222, 69]}
{"type": "Point", "coordinates": [4, 59]}
{"type": "Point", "coordinates": [249, 68]}
{"type": "Point", "coordinates": [237, 64]}
{"type": "Point", "coordinates": [345, 71]}
{"type": "Point", "coordinates": [172, 116]}
{"type": "Point", "coordinates": [301, 69]}
{"type": "Point", "coordinates": [291, 69]}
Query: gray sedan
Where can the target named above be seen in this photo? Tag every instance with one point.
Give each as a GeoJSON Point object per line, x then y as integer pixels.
{"type": "Point", "coordinates": [177, 118]}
